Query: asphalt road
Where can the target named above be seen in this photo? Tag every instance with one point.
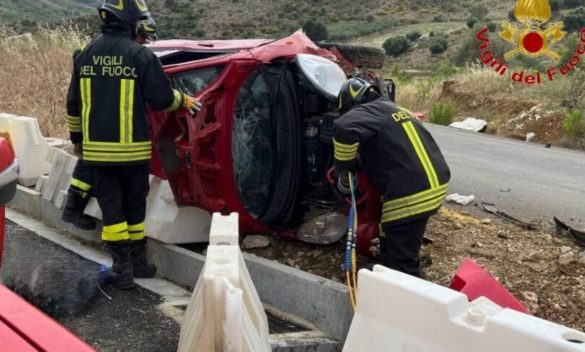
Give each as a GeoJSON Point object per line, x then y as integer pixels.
{"type": "Point", "coordinates": [525, 180]}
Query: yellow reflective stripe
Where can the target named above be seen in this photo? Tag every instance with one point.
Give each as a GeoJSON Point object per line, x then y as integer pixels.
{"type": "Point", "coordinates": [80, 184]}
{"type": "Point", "coordinates": [116, 157]}
{"type": "Point", "coordinates": [117, 232]}
{"type": "Point", "coordinates": [126, 110]}
{"type": "Point", "coordinates": [420, 208]}
{"type": "Point", "coordinates": [136, 231]}
{"type": "Point", "coordinates": [345, 147]}
{"type": "Point", "coordinates": [176, 102]}
{"type": "Point", "coordinates": [86, 106]}
{"type": "Point", "coordinates": [422, 153]}
{"type": "Point", "coordinates": [345, 157]}
{"type": "Point", "coordinates": [415, 198]}
{"type": "Point", "coordinates": [117, 147]}
{"type": "Point", "coordinates": [74, 123]}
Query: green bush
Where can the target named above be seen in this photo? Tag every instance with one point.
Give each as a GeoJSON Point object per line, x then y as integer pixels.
{"type": "Point", "coordinates": [442, 113]}
{"type": "Point", "coordinates": [479, 11]}
{"type": "Point", "coordinates": [492, 26]}
{"type": "Point", "coordinates": [438, 46]}
{"type": "Point", "coordinates": [571, 4]}
{"type": "Point", "coordinates": [395, 45]}
{"type": "Point", "coordinates": [511, 15]}
{"type": "Point", "coordinates": [471, 22]}
{"type": "Point", "coordinates": [574, 125]}
{"type": "Point", "coordinates": [575, 20]}
{"type": "Point", "coordinates": [413, 36]}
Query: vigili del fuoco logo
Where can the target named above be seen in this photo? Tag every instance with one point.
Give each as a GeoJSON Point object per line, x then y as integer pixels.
{"type": "Point", "coordinates": [532, 38]}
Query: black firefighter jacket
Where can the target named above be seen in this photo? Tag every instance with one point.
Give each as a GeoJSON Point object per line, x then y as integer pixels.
{"type": "Point", "coordinates": [399, 156]}
{"type": "Point", "coordinates": [113, 79]}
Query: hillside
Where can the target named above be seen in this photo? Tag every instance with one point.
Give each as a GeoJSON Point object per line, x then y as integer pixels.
{"type": "Point", "coordinates": [44, 10]}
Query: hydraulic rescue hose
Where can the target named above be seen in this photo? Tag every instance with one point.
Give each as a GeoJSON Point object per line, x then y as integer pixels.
{"type": "Point", "coordinates": [350, 250]}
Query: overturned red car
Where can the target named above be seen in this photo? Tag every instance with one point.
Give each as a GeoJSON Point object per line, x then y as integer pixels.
{"type": "Point", "coordinates": [262, 143]}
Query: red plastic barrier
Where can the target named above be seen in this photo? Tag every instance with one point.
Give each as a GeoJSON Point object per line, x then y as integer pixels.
{"type": "Point", "coordinates": [475, 282]}
{"type": "Point", "coordinates": [2, 227]}
{"type": "Point", "coordinates": [25, 328]}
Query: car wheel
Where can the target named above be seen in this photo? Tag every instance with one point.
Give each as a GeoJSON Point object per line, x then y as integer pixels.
{"type": "Point", "coordinates": [361, 56]}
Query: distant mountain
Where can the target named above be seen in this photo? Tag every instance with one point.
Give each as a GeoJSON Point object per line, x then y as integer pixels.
{"type": "Point", "coordinates": [45, 10]}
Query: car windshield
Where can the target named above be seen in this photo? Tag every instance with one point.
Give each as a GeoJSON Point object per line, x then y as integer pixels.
{"type": "Point", "coordinates": [252, 151]}
{"type": "Point", "coordinates": [192, 82]}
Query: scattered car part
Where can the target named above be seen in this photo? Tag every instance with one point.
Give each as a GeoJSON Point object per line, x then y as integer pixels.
{"type": "Point", "coordinates": [493, 209]}
{"type": "Point", "coordinates": [323, 229]}
{"type": "Point", "coordinates": [460, 199]}
{"type": "Point", "coordinates": [471, 124]}
{"type": "Point", "coordinates": [566, 230]}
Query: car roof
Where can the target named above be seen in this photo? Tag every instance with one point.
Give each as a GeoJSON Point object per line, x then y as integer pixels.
{"type": "Point", "coordinates": [172, 45]}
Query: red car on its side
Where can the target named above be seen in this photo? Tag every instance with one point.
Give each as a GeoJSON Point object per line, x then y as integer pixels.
{"type": "Point", "coordinates": [262, 143]}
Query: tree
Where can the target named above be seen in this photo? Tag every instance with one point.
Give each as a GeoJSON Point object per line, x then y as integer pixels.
{"type": "Point", "coordinates": [413, 36]}
{"type": "Point", "coordinates": [479, 11]}
{"type": "Point", "coordinates": [395, 45]}
{"type": "Point", "coordinates": [315, 30]}
{"type": "Point", "coordinates": [575, 20]}
{"type": "Point", "coordinates": [471, 22]}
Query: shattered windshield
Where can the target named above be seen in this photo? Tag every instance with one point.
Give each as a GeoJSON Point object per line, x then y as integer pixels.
{"type": "Point", "coordinates": [193, 82]}
{"type": "Point", "coordinates": [252, 152]}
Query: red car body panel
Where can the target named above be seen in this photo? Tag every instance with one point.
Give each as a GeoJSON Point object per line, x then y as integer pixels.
{"type": "Point", "coordinates": [6, 154]}
{"type": "Point", "coordinates": [205, 177]}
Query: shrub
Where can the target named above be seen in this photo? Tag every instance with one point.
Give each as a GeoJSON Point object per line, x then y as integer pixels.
{"type": "Point", "coordinates": [438, 46]}
{"type": "Point", "coordinates": [479, 11]}
{"type": "Point", "coordinates": [492, 26]}
{"type": "Point", "coordinates": [574, 124]}
{"type": "Point", "coordinates": [442, 113]}
{"type": "Point", "coordinates": [571, 4]}
{"type": "Point", "coordinates": [395, 45]}
{"type": "Point", "coordinates": [575, 20]}
{"type": "Point", "coordinates": [314, 30]}
{"type": "Point", "coordinates": [555, 5]}
{"type": "Point", "coordinates": [471, 22]}
{"type": "Point", "coordinates": [413, 36]}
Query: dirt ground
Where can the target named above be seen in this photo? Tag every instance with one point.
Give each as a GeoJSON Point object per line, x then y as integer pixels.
{"type": "Point", "coordinates": [543, 269]}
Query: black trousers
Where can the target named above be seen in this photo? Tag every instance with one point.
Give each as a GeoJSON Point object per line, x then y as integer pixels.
{"type": "Point", "coordinates": [121, 193]}
{"type": "Point", "coordinates": [83, 178]}
{"type": "Point", "coordinates": [400, 244]}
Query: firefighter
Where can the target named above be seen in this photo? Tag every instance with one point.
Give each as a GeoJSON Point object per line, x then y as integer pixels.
{"type": "Point", "coordinates": [113, 79]}
{"type": "Point", "coordinates": [402, 161]}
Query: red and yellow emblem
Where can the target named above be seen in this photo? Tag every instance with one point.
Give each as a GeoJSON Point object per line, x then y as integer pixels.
{"type": "Point", "coordinates": [533, 39]}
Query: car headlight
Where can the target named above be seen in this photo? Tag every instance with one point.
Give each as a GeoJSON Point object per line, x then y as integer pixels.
{"type": "Point", "coordinates": [325, 75]}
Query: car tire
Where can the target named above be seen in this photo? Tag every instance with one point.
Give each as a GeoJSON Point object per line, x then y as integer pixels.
{"type": "Point", "coordinates": [361, 56]}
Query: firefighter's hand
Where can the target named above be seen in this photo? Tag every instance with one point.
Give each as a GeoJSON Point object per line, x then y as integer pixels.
{"type": "Point", "coordinates": [78, 150]}
{"type": "Point", "coordinates": [191, 104]}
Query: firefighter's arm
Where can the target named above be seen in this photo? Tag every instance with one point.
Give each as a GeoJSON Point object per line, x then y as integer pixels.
{"type": "Point", "coordinates": [74, 109]}
{"type": "Point", "coordinates": [158, 91]}
{"type": "Point", "coordinates": [349, 132]}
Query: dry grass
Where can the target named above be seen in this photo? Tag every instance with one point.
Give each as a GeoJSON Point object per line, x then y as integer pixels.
{"type": "Point", "coordinates": [35, 72]}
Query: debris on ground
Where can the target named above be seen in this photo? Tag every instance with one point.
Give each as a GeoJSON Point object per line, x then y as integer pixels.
{"type": "Point", "coordinates": [493, 209]}
{"type": "Point", "coordinates": [471, 124]}
{"type": "Point", "coordinates": [460, 199]}
{"type": "Point", "coordinates": [255, 241]}
{"type": "Point", "coordinates": [525, 262]}
{"type": "Point", "coordinates": [530, 136]}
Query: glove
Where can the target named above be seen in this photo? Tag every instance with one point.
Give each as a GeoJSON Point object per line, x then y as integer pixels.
{"type": "Point", "coordinates": [191, 104]}
{"type": "Point", "coordinates": [78, 150]}
{"type": "Point", "coordinates": [343, 184]}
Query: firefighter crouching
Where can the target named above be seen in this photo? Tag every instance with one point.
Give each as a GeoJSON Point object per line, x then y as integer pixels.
{"type": "Point", "coordinates": [113, 79]}
{"type": "Point", "coordinates": [402, 161]}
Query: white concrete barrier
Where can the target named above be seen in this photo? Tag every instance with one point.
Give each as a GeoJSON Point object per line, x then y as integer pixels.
{"type": "Point", "coordinates": [225, 312]}
{"type": "Point", "coordinates": [30, 146]}
{"type": "Point", "coordinates": [54, 186]}
{"type": "Point", "coordinates": [168, 223]}
{"type": "Point", "coordinates": [400, 313]}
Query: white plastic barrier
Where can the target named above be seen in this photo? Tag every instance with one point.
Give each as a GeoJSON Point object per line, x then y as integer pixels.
{"type": "Point", "coordinates": [225, 312]}
{"type": "Point", "coordinates": [168, 223]}
{"type": "Point", "coordinates": [400, 313]}
{"type": "Point", "coordinates": [29, 145]}
{"type": "Point", "coordinates": [54, 186]}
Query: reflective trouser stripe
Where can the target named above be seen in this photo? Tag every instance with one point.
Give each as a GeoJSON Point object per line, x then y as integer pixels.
{"type": "Point", "coordinates": [423, 207]}
{"type": "Point", "coordinates": [414, 199]}
{"type": "Point", "coordinates": [126, 110]}
{"type": "Point", "coordinates": [114, 233]}
{"type": "Point", "coordinates": [136, 231]}
{"type": "Point", "coordinates": [345, 152]}
{"type": "Point", "coordinates": [86, 106]}
{"type": "Point", "coordinates": [116, 157]}
{"type": "Point", "coordinates": [421, 153]}
{"type": "Point", "coordinates": [74, 124]}
{"type": "Point", "coordinates": [80, 184]}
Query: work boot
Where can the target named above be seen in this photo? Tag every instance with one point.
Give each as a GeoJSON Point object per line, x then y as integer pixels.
{"type": "Point", "coordinates": [140, 266]}
{"type": "Point", "coordinates": [121, 273]}
{"type": "Point", "coordinates": [73, 212]}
